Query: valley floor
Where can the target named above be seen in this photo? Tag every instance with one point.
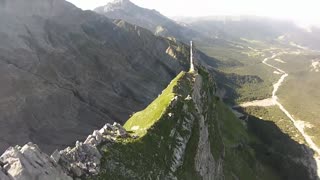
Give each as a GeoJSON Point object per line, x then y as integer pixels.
{"type": "Point", "coordinates": [274, 100]}
{"type": "Point", "coordinates": [285, 96]}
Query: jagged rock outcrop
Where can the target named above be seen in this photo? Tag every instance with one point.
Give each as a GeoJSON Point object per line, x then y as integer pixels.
{"type": "Point", "coordinates": [83, 160]}
{"type": "Point", "coordinates": [30, 163]}
{"type": "Point", "coordinates": [178, 145]}
{"type": "Point", "coordinates": [195, 137]}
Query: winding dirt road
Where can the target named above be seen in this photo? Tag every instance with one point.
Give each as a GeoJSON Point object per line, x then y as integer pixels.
{"type": "Point", "coordinates": [274, 101]}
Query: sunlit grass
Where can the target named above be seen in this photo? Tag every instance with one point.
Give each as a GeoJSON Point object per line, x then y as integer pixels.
{"type": "Point", "coordinates": [141, 121]}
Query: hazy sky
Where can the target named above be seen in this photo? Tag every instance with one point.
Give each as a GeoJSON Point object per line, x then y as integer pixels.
{"type": "Point", "coordinates": [302, 11]}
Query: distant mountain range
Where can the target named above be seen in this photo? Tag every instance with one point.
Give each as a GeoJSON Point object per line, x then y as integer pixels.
{"type": "Point", "coordinates": [149, 19]}
{"type": "Point", "coordinates": [212, 30]}
{"type": "Point", "coordinates": [254, 27]}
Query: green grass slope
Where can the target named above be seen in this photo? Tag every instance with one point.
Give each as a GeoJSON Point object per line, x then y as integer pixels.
{"type": "Point", "coordinates": [150, 156]}
{"type": "Point", "coordinates": [171, 132]}
{"type": "Point", "coordinates": [141, 121]}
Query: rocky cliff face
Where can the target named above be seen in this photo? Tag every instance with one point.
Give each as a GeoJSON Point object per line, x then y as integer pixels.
{"type": "Point", "coordinates": [65, 72]}
{"type": "Point", "coordinates": [185, 133]}
{"type": "Point", "coordinates": [206, 165]}
{"type": "Point", "coordinates": [186, 122]}
{"type": "Point", "coordinates": [83, 160]}
{"type": "Point", "coordinates": [186, 142]}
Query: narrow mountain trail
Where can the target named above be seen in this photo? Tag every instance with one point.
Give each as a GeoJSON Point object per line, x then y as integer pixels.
{"type": "Point", "coordinates": [274, 100]}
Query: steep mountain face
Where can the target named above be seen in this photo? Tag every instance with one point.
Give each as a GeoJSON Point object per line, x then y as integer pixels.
{"type": "Point", "coordinates": [65, 72]}
{"type": "Point", "coordinates": [149, 19]}
{"type": "Point", "coordinates": [180, 135]}
{"type": "Point", "coordinates": [183, 141]}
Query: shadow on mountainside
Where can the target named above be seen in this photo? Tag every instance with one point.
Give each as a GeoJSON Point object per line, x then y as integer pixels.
{"type": "Point", "coordinates": [278, 150]}
{"type": "Point", "coordinates": [228, 82]}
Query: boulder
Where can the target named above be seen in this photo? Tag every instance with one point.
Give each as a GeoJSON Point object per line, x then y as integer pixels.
{"type": "Point", "coordinates": [120, 131]}
{"type": "Point", "coordinates": [109, 127]}
{"type": "Point", "coordinates": [30, 163]}
{"type": "Point", "coordinates": [76, 170]}
{"type": "Point", "coordinates": [84, 159]}
{"type": "Point", "coordinates": [98, 136]}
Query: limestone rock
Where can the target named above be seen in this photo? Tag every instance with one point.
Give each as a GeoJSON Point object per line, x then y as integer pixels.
{"type": "Point", "coordinates": [121, 132]}
{"type": "Point", "coordinates": [31, 164]}
{"type": "Point", "coordinates": [81, 159]}
{"type": "Point", "coordinates": [98, 136]}
{"type": "Point", "coordinates": [55, 156]}
{"type": "Point", "coordinates": [84, 158]}
{"type": "Point", "coordinates": [76, 170]}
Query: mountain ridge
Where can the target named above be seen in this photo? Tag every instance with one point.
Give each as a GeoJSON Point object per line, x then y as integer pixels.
{"type": "Point", "coordinates": [61, 69]}
{"type": "Point", "coordinates": [185, 115]}
{"type": "Point", "coordinates": [75, 71]}
{"type": "Point", "coordinates": [159, 24]}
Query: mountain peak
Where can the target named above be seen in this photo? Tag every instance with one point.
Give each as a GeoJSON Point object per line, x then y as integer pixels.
{"type": "Point", "coordinates": [115, 5]}
{"type": "Point", "coordinates": [121, 1]}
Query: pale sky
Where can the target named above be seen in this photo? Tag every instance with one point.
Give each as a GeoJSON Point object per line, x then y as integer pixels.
{"type": "Point", "coordinates": [301, 11]}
